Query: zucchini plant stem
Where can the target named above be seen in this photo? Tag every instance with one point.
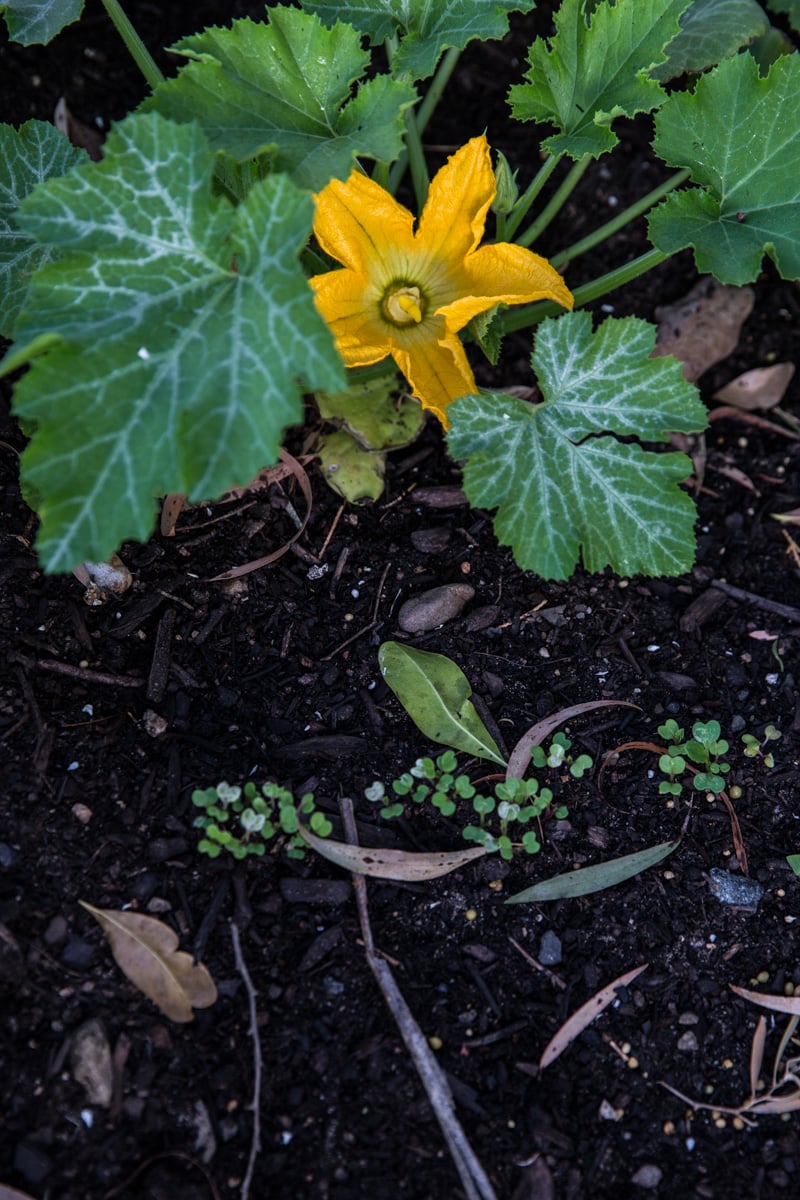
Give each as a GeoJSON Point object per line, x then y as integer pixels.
{"type": "Point", "coordinates": [554, 205]}
{"type": "Point", "coordinates": [620, 221]}
{"type": "Point", "coordinates": [136, 47]}
{"type": "Point", "coordinates": [520, 210]}
{"type": "Point", "coordinates": [425, 112]}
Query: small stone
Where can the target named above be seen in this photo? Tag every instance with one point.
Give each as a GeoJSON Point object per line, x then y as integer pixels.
{"type": "Point", "coordinates": [56, 932]}
{"type": "Point", "coordinates": [90, 1061]}
{"type": "Point", "coordinates": [430, 541]}
{"type": "Point", "coordinates": [77, 952]}
{"type": "Point", "coordinates": [736, 890]}
{"type": "Point", "coordinates": [7, 855]}
{"type": "Point", "coordinates": [550, 949]}
{"type": "Point", "coordinates": [154, 724]}
{"type": "Point", "coordinates": [688, 1041]}
{"type": "Point", "coordinates": [333, 987]}
{"type": "Point", "coordinates": [161, 849]}
{"type": "Point", "coordinates": [430, 609]}
{"type": "Point", "coordinates": [688, 1018]}
{"type": "Point", "coordinates": [481, 618]}
{"type": "Point", "coordinates": [648, 1176]}
{"type": "Point", "coordinates": [157, 904]}
{"type": "Point", "coordinates": [82, 813]}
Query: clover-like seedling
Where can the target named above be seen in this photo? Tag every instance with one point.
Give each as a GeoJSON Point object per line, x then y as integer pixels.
{"type": "Point", "coordinates": [757, 748]}
{"type": "Point", "coordinates": [515, 802]}
{"type": "Point", "coordinates": [242, 822]}
{"type": "Point", "coordinates": [705, 748]}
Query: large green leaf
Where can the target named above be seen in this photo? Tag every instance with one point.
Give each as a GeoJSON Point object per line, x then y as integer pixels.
{"type": "Point", "coordinates": [186, 324]}
{"type": "Point", "coordinates": [595, 69]}
{"type": "Point", "coordinates": [435, 693]}
{"type": "Point", "coordinates": [740, 136]}
{"type": "Point", "coordinates": [426, 27]}
{"type": "Point", "coordinates": [31, 21]}
{"type": "Point", "coordinates": [559, 486]}
{"type": "Point", "coordinates": [790, 7]}
{"type": "Point", "coordinates": [710, 31]}
{"type": "Point", "coordinates": [287, 86]}
{"type": "Point", "coordinates": [28, 156]}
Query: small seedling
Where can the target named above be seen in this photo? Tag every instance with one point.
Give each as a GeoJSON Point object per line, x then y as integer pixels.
{"type": "Point", "coordinates": [705, 748]}
{"type": "Point", "coordinates": [755, 748]}
{"type": "Point", "coordinates": [242, 822]}
{"type": "Point", "coordinates": [514, 802]}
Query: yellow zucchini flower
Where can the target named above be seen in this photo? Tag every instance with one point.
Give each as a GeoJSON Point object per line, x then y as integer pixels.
{"type": "Point", "coordinates": [407, 293]}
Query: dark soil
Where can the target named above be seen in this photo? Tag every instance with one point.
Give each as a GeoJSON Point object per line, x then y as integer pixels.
{"type": "Point", "coordinates": [276, 676]}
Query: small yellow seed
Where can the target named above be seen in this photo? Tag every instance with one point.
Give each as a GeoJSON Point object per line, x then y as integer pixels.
{"type": "Point", "coordinates": [738, 1123]}
{"type": "Point", "coordinates": [471, 914]}
{"type": "Point", "coordinates": [668, 1128]}
{"type": "Point", "coordinates": [727, 1063]}
{"type": "Point", "coordinates": [735, 792]}
{"type": "Point", "coordinates": [721, 1123]}
{"type": "Point", "coordinates": [435, 1043]}
{"type": "Point", "coordinates": [633, 1063]}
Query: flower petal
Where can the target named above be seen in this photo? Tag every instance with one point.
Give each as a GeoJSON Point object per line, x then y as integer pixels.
{"type": "Point", "coordinates": [360, 225]}
{"type": "Point", "coordinates": [503, 274]}
{"type": "Point", "coordinates": [437, 371]}
{"type": "Point", "coordinates": [452, 221]}
{"type": "Point", "coordinates": [351, 309]}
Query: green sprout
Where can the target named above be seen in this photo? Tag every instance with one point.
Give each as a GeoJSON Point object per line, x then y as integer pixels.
{"type": "Point", "coordinates": [515, 804]}
{"type": "Point", "coordinates": [243, 821]}
{"type": "Point", "coordinates": [755, 748]}
{"type": "Point", "coordinates": [705, 749]}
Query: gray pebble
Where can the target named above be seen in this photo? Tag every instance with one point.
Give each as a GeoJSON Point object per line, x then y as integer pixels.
{"type": "Point", "coordinates": [550, 949]}
{"type": "Point", "coordinates": [648, 1176]}
{"type": "Point", "coordinates": [430, 609]}
{"type": "Point", "coordinates": [737, 890]}
{"type": "Point", "coordinates": [688, 1041]}
{"type": "Point", "coordinates": [430, 541]}
{"type": "Point", "coordinates": [77, 953]}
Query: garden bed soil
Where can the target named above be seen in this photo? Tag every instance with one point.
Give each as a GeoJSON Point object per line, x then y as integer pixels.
{"type": "Point", "coordinates": [111, 715]}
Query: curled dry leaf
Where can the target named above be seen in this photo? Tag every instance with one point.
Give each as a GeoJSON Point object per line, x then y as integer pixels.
{"type": "Point", "coordinates": [391, 864]}
{"type": "Point", "coordinates": [784, 1004]}
{"type": "Point", "coordinates": [703, 327]}
{"type": "Point", "coordinates": [520, 758]}
{"type": "Point", "coordinates": [762, 388]}
{"type": "Point", "coordinates": [585, 1015]}
{"type": "Point", "coordinates": [147, 951]}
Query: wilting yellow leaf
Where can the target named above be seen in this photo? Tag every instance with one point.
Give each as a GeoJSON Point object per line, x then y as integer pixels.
{"type": "Point", "coordinates": [147, 951]}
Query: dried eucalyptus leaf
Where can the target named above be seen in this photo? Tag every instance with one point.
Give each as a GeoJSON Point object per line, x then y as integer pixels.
{"type": "Point", "coordinates": [147, 951]}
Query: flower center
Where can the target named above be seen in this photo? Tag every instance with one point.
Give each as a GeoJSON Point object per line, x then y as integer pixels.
{"type": "Point", "coordinates": [402, 305]}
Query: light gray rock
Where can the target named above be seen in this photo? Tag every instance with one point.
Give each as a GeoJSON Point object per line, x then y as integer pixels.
{"type": "Point", "coordinates": [431, 609]}
{"type": "Point", "coordinates": [90, 1061]}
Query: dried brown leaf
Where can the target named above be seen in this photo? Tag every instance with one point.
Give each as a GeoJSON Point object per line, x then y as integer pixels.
{"type": "Point", "coordinates": [785, 1004]}
{"type": "Point", "coordinates": [147, 951]}
{"type": "Point", "coordinates": [792, 517]}
{"type": "Point", "coordinates": [391, 864]}
{"type": "Point", "coordinates": [757, 1053]}
{"type": "Point", "coordinates": [584, 1016]}
{"type": "Point", "coordinates": [762, 388]}
{"type": "Point", "coordinates": [703, 327]}
{"type": "Point", "coordinates": [520, 758]}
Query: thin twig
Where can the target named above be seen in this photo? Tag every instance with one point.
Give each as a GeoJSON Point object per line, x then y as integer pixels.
{"type": "Point", "coordinates": [772, 606]}
{"type": "Point", "coordinates": [474, 1180]}
{"type": "Point", "coordinates": [255, 1104]}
